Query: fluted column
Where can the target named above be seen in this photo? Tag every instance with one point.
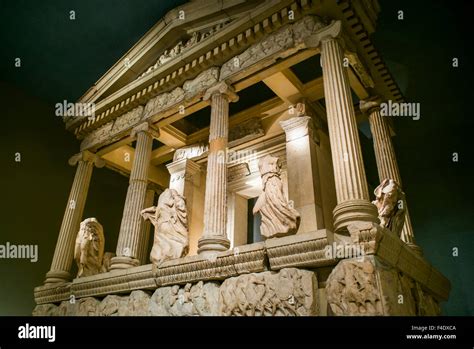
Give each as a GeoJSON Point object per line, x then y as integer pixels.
{"type": "Point", "coordinates": [351, 184]}
{"type": "Point", "coordinates": [214, 238]}
{"type": "Point", "coordinates": [385, 156]}
{"type": "Point", "coordinates": [128, 242]}
{"type": "Point", "coordinates": [64, 252]}
{"type": "Point", "coordinates": [144, 237]}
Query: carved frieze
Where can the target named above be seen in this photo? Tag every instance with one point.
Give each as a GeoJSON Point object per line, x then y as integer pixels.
{"type": "Point", "coordinates": [182, 46]}
{"type": "Point", "coordinates": [352, 289]}
{"type": "Point", "coordinates": [290, 292]}
{"type": "Point", "coordinates": [113, 130]}
{"type": "Point", "coordinates": [289, 39]}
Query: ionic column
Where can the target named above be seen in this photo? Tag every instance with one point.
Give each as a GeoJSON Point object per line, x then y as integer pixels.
{"type": "Point", "coordinates": [64, 252]}
{"type": "Point", "coordinates": [128, 242]}
{"type": "Point", "coordinates": [385, 156]}
{"type": "Point", "coordinates": [304, 186]}
{"type": "Point", "coordinates": [143, 248]}
{"type": "Point", "coordinates": [351, 184]}
{"type": "Point", "coordinates": [214, 238]}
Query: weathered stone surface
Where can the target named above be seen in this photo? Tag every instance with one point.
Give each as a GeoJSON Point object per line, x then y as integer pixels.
{"type": "Point", "coordinates": [352, 289]}
{"type": "Point", "coordinates": [87, 307]}
{"type": "Point", "coordinates": [427, 304]}
{"type": "Point", "coordinates": [136, 304]}
{"type": "Point", "coordinates": [111, 305]}
{"type": "Point", "coordinates": [290, 292]}
{"type": "Point", "coordinates": [199, 299]}
{"type": "Point", "coordinates": [45, 310]}
{"type": "Point", "coordinates": [113, 130]}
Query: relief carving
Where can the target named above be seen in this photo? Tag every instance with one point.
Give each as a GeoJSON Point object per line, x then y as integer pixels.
{"type": "Point", "coordinates": [200, 299]}
{"type": "Point", "coordinates": [113, 130]}
{"type": "Point", "coordinates": [279, 218]}
{"type": "Point", "coordinates": [352, 289]}
{"type": "Point", "coordinates": [290, 292]}
{"type": "Point", "coordinates": [180, 47]}
{"type": "Point", "coordinates": [170, 220]}
{"type": "Point", "coordinates": [282, 43]}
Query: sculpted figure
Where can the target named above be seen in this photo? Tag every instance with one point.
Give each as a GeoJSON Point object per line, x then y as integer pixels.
{"type": "Point", "coordinates": [390, 202]}
{"type": "Point", "coordinates": [170, 220]}
{"type": "Point", "coordinates": [279, 218]}
{"type": "Point", "coordinates": [89, 250]}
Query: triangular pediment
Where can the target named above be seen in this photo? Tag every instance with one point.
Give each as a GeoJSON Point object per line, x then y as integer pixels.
{"type": "Point", "coordinates": [176, 33]}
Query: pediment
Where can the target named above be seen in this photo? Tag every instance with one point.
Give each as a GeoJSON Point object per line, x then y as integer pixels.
{"type": "Point", "coordinates": [164, 44]}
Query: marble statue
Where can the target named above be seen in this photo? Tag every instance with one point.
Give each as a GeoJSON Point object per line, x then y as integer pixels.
{"type": "Point", "coordinates": [390, 202]}
{"type": "Point", "coordinates": [169, 218]}
{"type": "Point", "coordinates": [89, 250]}
{"type": "Point", "coordinates": [279, 218]}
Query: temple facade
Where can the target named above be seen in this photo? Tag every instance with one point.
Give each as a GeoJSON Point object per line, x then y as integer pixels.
{"type": "Point", "coordinates": [238, 125]}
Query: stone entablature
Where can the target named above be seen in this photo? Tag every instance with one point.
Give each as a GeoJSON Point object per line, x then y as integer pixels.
{"type": "Point", "coordinates": [265, 24]}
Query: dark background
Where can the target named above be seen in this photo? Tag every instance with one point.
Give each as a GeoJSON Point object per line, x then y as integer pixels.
{"type": "Point", "coordinates": [61, 59]}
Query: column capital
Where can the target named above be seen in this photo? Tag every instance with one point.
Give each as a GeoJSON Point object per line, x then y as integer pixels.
{"type": "Point", "coordinates": [297, 127]}
{"type": "Point", "coordinates": [87, 156]}
{"type": "Point", "coordinates": [369, 104]}
{"type": "Point", "coordinates": [222, 88]}
{"type": "Point", "coordinates": [323, 33]}
{"type": "Point", "coordinates": [145, 127]}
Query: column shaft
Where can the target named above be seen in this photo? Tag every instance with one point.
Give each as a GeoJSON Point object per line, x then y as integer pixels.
{"type": "Point", "coordinates": [214, 238]}
{"type": "Point", "coordinates": [350, 179]}
{"type": "Point", "coordinates": [144, 238]}
{"type": "Point", "coordinates": [131, 226]}
{"type": "Point", "coordinates": [64, 252]}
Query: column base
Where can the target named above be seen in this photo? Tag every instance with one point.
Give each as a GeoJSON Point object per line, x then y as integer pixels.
{"type": "Point", "coordinates": [57, 276]}
{"type": "Point", "coordinates": [122, 262]}
{"type": "Point", "coordinates": [352, 211]}
{"type": "Point", "coordinates": [208, 245]}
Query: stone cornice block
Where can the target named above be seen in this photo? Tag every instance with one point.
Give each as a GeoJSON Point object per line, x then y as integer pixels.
{"type": "Point", "coordinates": [244, 259]}
{"type": "Point", "coordinates": [52, 293]}
{"type": "Point", "coordinates": [438, 284]}
{"type": "Point", "coordinates": [300, 250]}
